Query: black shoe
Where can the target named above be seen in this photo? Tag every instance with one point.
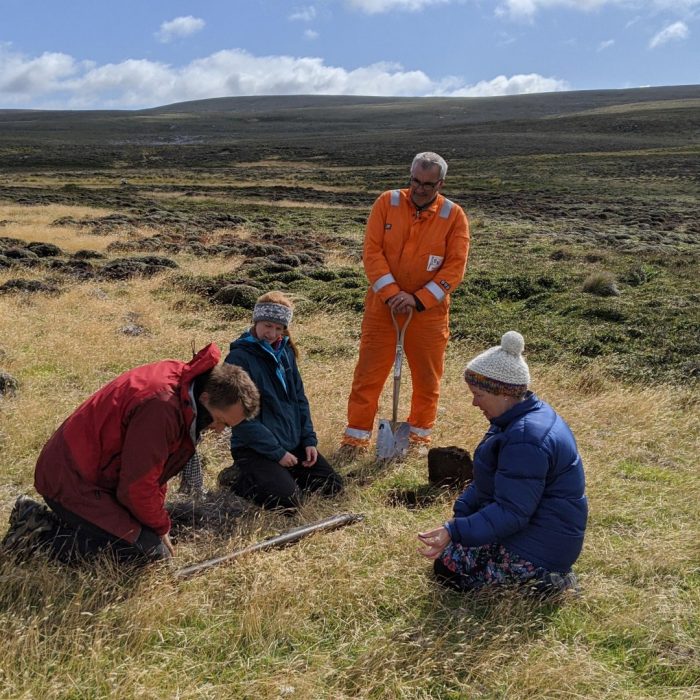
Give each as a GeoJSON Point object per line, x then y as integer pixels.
{"type": "Point", "coordinates": [29, 520]}
{"type": "Point", "coordinates": [553, 585]}
{"type": "Point", "coordinates": [229, 476]}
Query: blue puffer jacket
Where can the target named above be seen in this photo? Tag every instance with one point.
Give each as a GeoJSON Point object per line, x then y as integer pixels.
{"type": "Point", "coordinates": [284, 421]}
{"type": "Point", "coordinates": [528, 489]}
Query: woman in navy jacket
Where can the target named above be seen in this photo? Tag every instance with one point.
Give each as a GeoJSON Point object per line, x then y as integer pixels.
{"type": "Point", "coordinates": [523, 517]}
{"type": "Point", "coordinates": [275, 455]}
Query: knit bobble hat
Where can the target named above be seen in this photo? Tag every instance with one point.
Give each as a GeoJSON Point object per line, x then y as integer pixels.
{"type": "Point", "coordinates": [501, 369]}
{"type": "Point", "coordinates": [274, 313]}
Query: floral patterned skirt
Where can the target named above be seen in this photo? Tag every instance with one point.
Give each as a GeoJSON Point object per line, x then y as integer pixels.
{"type": "Point", "coordinates": [470, 568]}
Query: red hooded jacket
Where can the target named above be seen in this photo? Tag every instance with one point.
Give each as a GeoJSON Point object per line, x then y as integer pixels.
{"type": "Point", "coordinates": [109, 462]}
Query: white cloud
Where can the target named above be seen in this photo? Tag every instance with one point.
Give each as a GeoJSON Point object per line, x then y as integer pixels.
{"type": "Point", "coordinates": [23, 77]}
{"type": "Point", "coordinates": [515, 85]}
{"type": "Point", "coordinates": [310, 34]}
{"type": "Point", "coordinates": [526, 9]}
{"type": "Point", "coordinates": [57, 80]}
{"type": "Point", "coordinates": [373, 7]}
{"type": "Point", "coordinates": [178, 28]}
{"type": "Point", "coordinates": [674, 32]}
{"type": "Point", "coordinates": [605, 45]}
{"type": "Point", "coordinates": [304, 14]}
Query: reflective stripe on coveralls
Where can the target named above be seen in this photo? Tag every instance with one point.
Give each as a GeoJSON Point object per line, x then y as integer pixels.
{"type": "Point", "coordinates": [445, 209]}
{"type": "Point", "coordinates": [358, 434]}
{"type": "Point", "coordinates": [435, 291]}
{"type": "Point", "coordinates": [383, 281]}
{"type": "Point", "coordinates": [423, 253]}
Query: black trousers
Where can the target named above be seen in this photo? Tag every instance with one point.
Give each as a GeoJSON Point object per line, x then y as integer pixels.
{"type": "Point", "coordinates": [271, 485]}
{"type": "Point", "coordinates": [75, 539]}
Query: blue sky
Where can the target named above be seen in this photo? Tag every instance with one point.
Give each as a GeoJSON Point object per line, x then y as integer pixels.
{"type": "Point", "coordinates": [130, 54]}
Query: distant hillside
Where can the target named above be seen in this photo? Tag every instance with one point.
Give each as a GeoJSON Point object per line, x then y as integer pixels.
{"type": "Point", "coordinates": [353, 130]}
{"type": "Point", "coordinates": [465, 108]}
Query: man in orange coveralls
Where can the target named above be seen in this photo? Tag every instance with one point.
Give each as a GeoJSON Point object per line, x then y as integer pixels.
{"type": "Point", "coordinates": [415, 254]}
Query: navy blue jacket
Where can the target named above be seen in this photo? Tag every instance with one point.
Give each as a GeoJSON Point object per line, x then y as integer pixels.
{"type": "Point", "coordinates": [528, 489]}
{"type": "Point", "coordinates": [284, 422]}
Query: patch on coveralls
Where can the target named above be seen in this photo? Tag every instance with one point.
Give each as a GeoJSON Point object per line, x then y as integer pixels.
{"type": "Point", "coordinates": [434, 263]}
{"type": "Point", "coordinates": [445, 285]}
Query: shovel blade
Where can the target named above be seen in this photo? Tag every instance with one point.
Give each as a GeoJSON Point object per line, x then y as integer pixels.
{"type": "Point", "coordinates": [392, 443]}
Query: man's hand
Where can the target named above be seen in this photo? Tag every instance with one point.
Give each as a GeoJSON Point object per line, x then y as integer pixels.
{"type": "Point", "coordinates": [434, 541]}
{"type": "Point", "coordinates": [401, 302]}
{"type": "Point", "coordinates": [311, 456]}
{"type": "Point", "coordinates": [165, 539]}
{"type": "Point", "coordinates": [288, 460]}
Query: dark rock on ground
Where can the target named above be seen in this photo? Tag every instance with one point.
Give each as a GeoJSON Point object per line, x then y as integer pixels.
{"type": "Point", "coordinates": [8, 384]}
{"type": "Point", "coordinates": [134, 330]}
{"type": "Point", "coordinates": [449, 466]}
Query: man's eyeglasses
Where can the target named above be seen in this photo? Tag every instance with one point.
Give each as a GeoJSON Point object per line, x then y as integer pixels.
{"type": "Point", "coordinates": [425, 185]}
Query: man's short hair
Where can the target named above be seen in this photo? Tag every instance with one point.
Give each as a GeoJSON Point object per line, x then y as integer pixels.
{"type": "Point", "coordinates": [428, 159]}
{"type": "Point", "coordinates": [229, 384]}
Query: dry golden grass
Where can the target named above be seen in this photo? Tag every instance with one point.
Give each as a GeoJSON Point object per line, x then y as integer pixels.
{"type": "Point", "coordinates": [353, 613]}
{"type": "Point", "coordinates": [33, 223]}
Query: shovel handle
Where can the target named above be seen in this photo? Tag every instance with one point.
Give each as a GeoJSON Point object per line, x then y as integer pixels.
{"type": "Point", "coordinates": [398, 359]}
{"type": "Point", "coordinates": [400, 334]}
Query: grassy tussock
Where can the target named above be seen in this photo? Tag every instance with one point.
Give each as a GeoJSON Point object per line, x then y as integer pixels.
{"type": "Point", "coordinates": [353, 613]}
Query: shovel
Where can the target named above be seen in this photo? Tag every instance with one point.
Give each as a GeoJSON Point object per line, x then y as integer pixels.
{"type": "Point", "coordinates": [392, 436]}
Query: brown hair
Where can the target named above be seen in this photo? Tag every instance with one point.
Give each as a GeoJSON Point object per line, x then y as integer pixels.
{"type": "Point", "coordinates": [229, 384]}
{"type": "Point", "coordinates": [276, 297]}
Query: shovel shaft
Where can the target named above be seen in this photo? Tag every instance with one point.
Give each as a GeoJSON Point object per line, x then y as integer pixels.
{"type": "Point", "coordinates": [395, 402]}
{"type": "Point", "coordinates": [398, 362]}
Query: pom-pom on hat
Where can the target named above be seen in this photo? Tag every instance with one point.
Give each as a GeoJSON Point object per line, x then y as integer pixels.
{"type": "Point", "coordinates": [274, 313]}
{"type": "Point", "coordinates": [501, 369]}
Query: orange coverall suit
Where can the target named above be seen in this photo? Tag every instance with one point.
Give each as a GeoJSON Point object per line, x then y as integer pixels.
{"type": "Point", "coordinates": [423, 253]}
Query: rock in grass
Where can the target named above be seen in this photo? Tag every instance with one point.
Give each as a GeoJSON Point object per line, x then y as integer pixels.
{"type": "Point", "coordinates": [134, 330]}
{"type": "Point", "coordinates": [8, 384]}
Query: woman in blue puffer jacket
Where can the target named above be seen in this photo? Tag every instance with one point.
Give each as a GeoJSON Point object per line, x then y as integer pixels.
{"type": "Point", "coordinates": [522, 519]}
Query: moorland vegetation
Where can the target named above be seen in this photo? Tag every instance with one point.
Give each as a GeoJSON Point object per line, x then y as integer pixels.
{"type": "Point", "coordinates": [125, 237]}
